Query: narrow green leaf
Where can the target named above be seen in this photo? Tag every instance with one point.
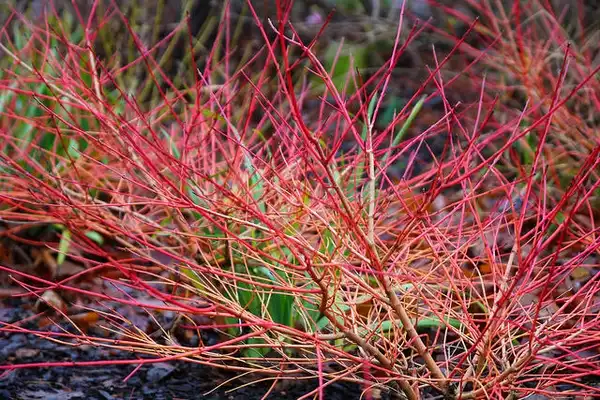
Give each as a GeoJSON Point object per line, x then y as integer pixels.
{"type": "Point", "coordinates": [422, 323]}
{"type": "Point", "coordinates": [435, 322]}
{"type": "Point", "coordinates": [63, 246]}
{"type": "Point", "coordinates": [95, 236]}
{"type": "Point", "coordinates": [411, 117]}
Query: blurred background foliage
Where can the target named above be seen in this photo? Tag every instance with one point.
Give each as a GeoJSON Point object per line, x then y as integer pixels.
{"type": "Point", "coordinates": [366, 28]}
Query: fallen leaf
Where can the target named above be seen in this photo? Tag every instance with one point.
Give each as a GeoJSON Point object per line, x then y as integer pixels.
{"type": "Point", "coordinates": [50, 299]}
{"type": "Point", "coordinates": [580, 273]}
{"type": "Point", "coordinates": [9, 292]}
{"type": "Point", "coordinates": [26, 353]}
{"type": "Point", "coordinates": [68, 268]}
{"type": "Point", "coordinates": [85, 319]}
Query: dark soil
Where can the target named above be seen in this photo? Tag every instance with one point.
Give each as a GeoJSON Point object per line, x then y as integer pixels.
{"type": "Point", "coordinates": [177, 380]}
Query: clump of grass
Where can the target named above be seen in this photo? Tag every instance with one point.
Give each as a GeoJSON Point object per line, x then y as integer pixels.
{"type": "Point", "coordinates": [306, 259]}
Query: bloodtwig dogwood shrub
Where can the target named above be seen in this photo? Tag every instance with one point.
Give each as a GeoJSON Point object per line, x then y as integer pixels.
{"type": "Point", "coordinates": [275, 211]}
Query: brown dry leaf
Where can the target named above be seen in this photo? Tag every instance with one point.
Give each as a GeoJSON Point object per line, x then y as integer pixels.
{"type": "Point", "coordinates": [188, 335]}
{"type": "Point", "coordinates": [44, 257]}
{"type": "Point", "coordinates": [485, 268]}
{"type": "Point", "coordinates": [26, 353]}
{"type": "Point", "coordinates": [376, 393]}
{"type": "Point", "coordinates": [85, 319]}
{"type": "Point", "coordinates": [6, 255]}
{"type": "Point", "coordinates": [580, 273]}
{"type": "Point", "coordinates": [50, 299]}
{"type": "Point", "coordinates": [44, 322]}
{"type": "Point", "coordinates": [364, 308]}
{"type": "Point", "coordinates": [68, 268]}
{"type": "Point", "coordinates": [9, 292]}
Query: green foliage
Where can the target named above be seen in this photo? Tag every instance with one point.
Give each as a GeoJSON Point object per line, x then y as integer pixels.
{"type": "Point", "coordinates": [349, 6]}
{"type": "Point", "coordinates": [38, 143]}
{"type": "Point", "coordinates": [341, 62]}
{"type": "Point", "coordinates": [352, 184]}
{"type": "Point", "coordinates": [63, 246]}
{"type": "Point", "coordinates": [66, 238]}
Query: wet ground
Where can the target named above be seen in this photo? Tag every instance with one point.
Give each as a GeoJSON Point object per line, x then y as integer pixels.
{"type": "Point", "coordinates": [156, 381]}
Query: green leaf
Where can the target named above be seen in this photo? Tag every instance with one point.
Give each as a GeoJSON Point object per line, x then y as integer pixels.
{"type": "Point", "coordinates": [560, 218]}
{"type": "Point", "coordinates": [350, 6]}
{"type": "Point", "coordinates": [248, 298]}
{"type": "Point", "coordinates": [411, 117]}
{"type": "Point", "coordinates": [63, 246]}
{"type": "Point", "coordinates": [279, 305]}
{"type": "Point", "coordinates": [95, 236]}
{"type": "Point", "coordinates": [322, 323]}
{"type": "Point", "coordinates": [435, 322]}
{"type": "Point", "coordinates": [7, 95]}
{"type": "Point", "coordinates": [73, 149]}
{"type": "Point", "coordinates": [350, 57]}
{"type": "Point", "coordinates": [281, 308]}
{"type": "Point", "coordinates": [172, 144]}
{"type": "Point", "coordinates": [328, 245]}
{"type": "Point", "coordinates": [256, 352]}
{"type": "Point", "coordinates": [422, 323]}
